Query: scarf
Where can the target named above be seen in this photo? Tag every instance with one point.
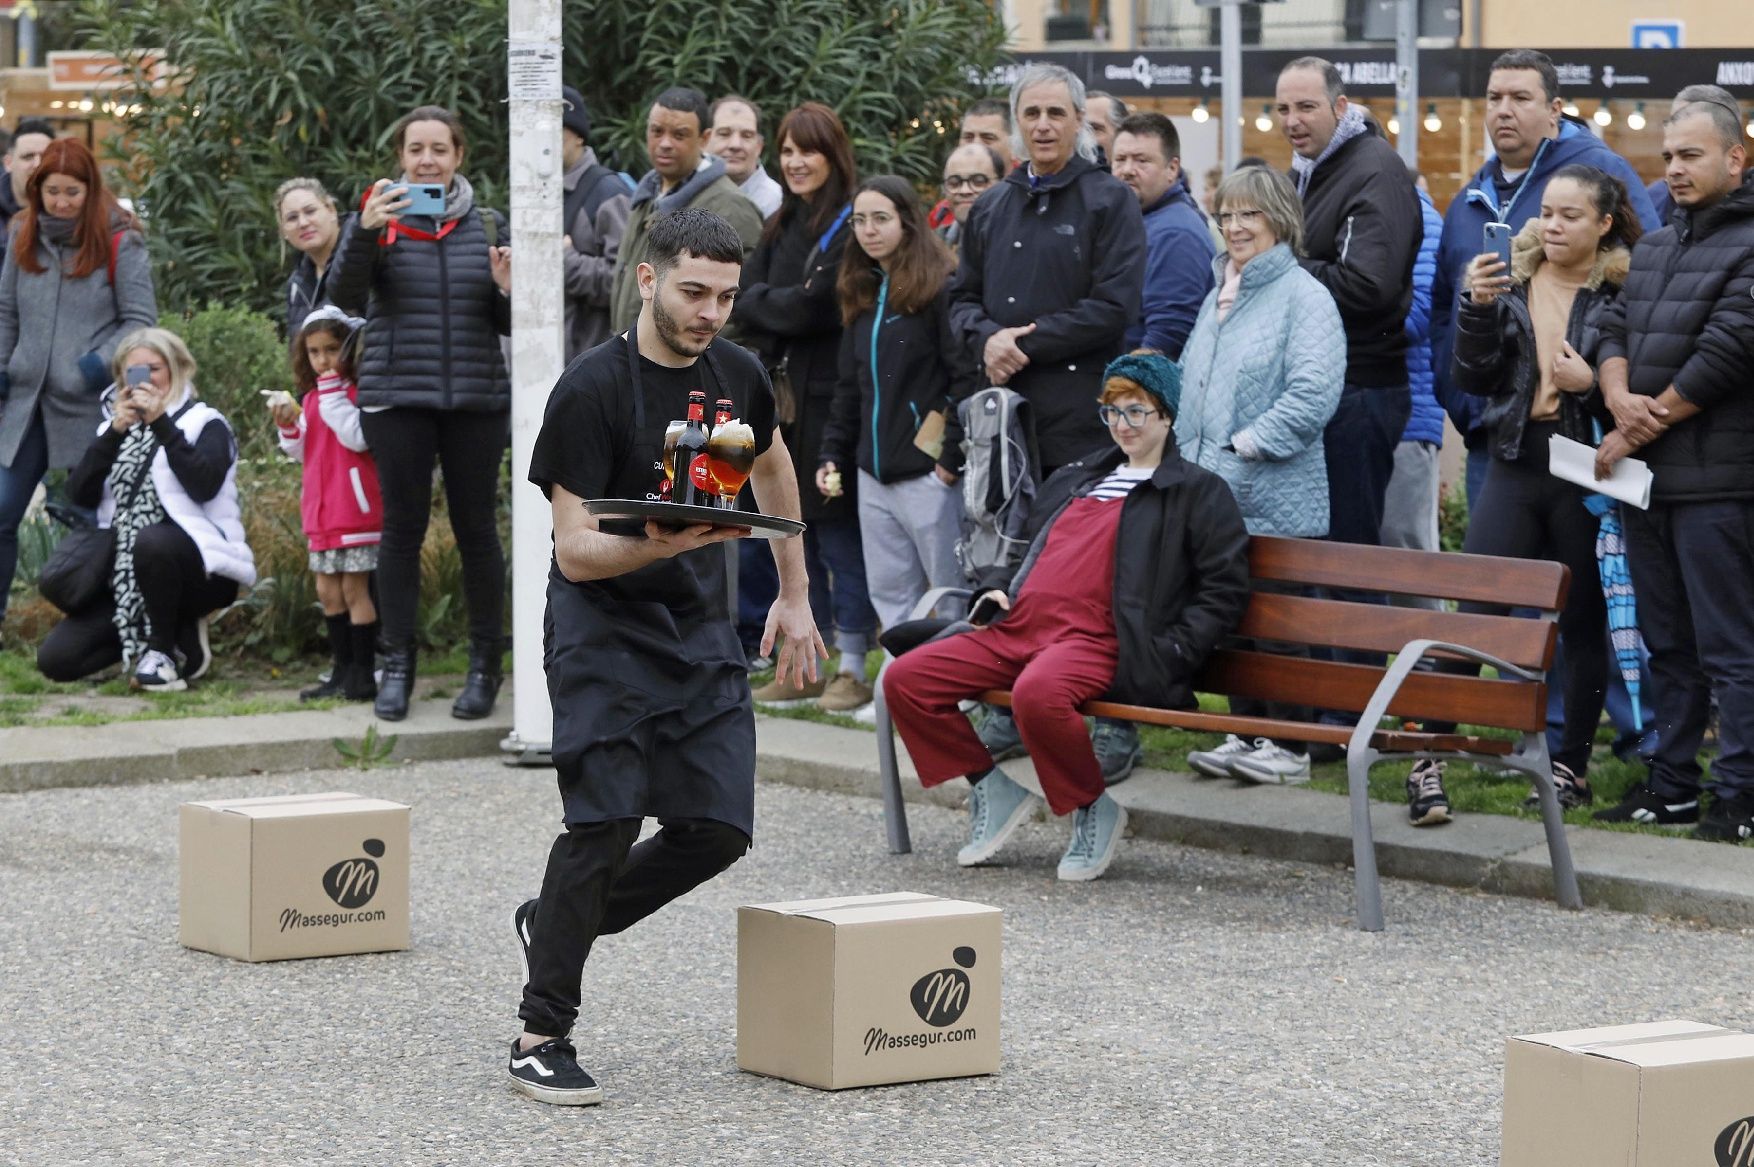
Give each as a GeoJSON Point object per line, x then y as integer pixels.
{"type": "Point", "coordinates": [137, 507]}
{"type": "Point", "coordinates": [1227, 291]}
{"type": "Point", "coordinates": [1352, 124]}
{"type": "Point", "coordinates": [56, 229]}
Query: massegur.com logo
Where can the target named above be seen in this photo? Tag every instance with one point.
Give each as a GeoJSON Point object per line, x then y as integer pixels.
{"type": "Point", "coordinates": [351, 883]}
{"type": "Point", "coordinates": [939, 998]}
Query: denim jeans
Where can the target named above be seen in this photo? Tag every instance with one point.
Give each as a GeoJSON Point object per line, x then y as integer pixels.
{"type": "Point", "coordinates": [835, 561]}
{"type": "Point", "coordinates": [18, 482]}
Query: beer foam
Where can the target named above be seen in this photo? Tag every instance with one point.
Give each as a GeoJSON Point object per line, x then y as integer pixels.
{"type": "Point", "coordinates": [735, 430]}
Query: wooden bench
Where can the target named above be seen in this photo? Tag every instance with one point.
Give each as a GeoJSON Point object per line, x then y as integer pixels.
{"type": "Point", "coordinates": [1520, 648]}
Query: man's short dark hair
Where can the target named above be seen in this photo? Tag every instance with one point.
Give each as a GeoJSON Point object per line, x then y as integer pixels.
{"type": "Point", "coordinates": [681, 99]}
{"type": "Point", "coordinates": [732, 99]}
{"type": "Point", "coordinates": [988, 107]}
{"type": "Point", "coordinates": [1154, 125]}
{"type": "Point", "coordinates": [691, 231]}
{"type": "Point", "coordinates": [1714, 94]}
{"type": "Point", "coordinates": [33, 126]}
{"type": "Point", "coordinates": [1727, 125]}
{"type": "Point", "coordinates": [1330, 75]}
{"type": "Point", "coordinates": [1116, 105]}
{"type": "Point", "coordinates": [1531, 59]}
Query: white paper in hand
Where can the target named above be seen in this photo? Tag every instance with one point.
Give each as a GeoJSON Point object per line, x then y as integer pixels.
{"type": "Point", "coordinates": [1576, 462]}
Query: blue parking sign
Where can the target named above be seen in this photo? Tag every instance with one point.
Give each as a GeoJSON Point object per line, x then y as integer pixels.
{"type": "Point", "coordinates": [1657, 34]}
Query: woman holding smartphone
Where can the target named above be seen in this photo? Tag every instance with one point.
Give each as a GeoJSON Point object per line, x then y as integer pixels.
{"type": "Point", "coordinates": [76, 278]}
{"type": "Point", "coordinates": [310, 223]}
{"type": "Point", "coordinates": [434, 290]}
{"type": "Point", "coordinates": [162, 474]}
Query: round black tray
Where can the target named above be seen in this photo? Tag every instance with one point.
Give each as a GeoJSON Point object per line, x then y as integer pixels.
{"type": "Point", "coordinates": [675, 514]}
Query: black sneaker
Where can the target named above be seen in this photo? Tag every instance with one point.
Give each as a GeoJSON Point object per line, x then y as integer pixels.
{"type": "Point", "coordinates": [1730, 820]}
{"type": "Point", "coordinates": [1427, 802]}
{"type": "Point", "coordinates": [522, 917]}
{"type": "Point", "coordinates": [550, 1073]}
{"type": "Point", "coordinates": [1644, 805]}
{"type": "Point", "coordinates": [1573, 791]}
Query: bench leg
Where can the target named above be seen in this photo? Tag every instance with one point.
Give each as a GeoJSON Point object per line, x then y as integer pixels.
{"type": "Point", "coordinates": [1367, 888]}
{"type": "Point", "coordinates": [889, 775]}
{"type": "Point", "coordinates": [1531, 757]}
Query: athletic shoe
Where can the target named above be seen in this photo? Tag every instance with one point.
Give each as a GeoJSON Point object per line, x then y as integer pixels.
{"type": "Point", "coordinates": [778, 690]}
{"type": "Point", "coordinates": [1729, 820]}
{"type": "Point", "coordinates": [1097, 830]}
{"type": "Point", "coordinates": [550, 1073]}
{"type": "Point", "coordinates": [759, 663]}
{"type": "Point", "coordinates": [158, 674]}
{"type": "Point", "coordinates": [522, 917]}
{"type": "Point", "coordinates": [1427, 802]}
{"type": "Point", "coordinates": [1271, 765]}
{"type": "Point", "coordinates": [844, 694]}
{"type": "Point", "coordinates": [1644, 805]}
{"type": "Point", "coordinates": [998, 732]}
{"type": "Point", "coordinates": [997, 806]}
{"type": "Point", "coordinates": [1573, 791]}
{"type": "Point", "coordinates": [1215, 763]}
{"type": "Point", "coordinates": [196, 652]}
{"type": "Point", "coordinates": [1117, 749]}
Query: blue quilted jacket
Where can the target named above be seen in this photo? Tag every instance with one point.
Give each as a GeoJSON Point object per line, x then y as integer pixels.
{"type": "Point", "coordinates": [1272, 372]}
{"type": "Point", "coordinates": [1425, 424]}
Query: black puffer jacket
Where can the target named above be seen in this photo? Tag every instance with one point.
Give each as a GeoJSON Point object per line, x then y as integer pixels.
{"type": "Point", "coordinates": [1181, 570]}
{"type": "Point", "coordinates": [1069, 255]}
{"type": "Point", "coordinates": [1495, 356]}
{"type": "Point", "coordinates": [1686, 317]}
{"type": "Point", "coordinates": [433, 314]}
{"type": "Point", "coordinates": [306, 291]}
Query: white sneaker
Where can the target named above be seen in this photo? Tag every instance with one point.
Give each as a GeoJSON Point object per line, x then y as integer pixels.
{"type": "Point", "coordinates": [1215, 763]}
{"type": "Point", "coordinates": [1271, 765]}
{"type": "Point", "coordinates": [158, 674]}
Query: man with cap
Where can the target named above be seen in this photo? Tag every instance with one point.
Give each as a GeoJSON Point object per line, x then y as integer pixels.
{"type": "Point", "coordinates": [1137, 567]}
{"type": "Point", "coordinates": [594, 215]}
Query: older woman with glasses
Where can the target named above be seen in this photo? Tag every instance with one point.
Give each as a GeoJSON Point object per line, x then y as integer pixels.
{"type": "Point", "coordinates": [1262, 373]}
{"type": "Point", "coordinates": [969, 172]}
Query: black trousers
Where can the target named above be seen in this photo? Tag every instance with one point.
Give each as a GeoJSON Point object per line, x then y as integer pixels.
{"type": "Point", "coordinates": [1526, 513]}
{"type": "Point", "coordinates": [177, 590]}
{"type": "Point", "coordinates": [1359, 446]}
{"type": "Point", "coordinates": [598, 883]}
{"type": "Point", "coordinates": [468, 448]}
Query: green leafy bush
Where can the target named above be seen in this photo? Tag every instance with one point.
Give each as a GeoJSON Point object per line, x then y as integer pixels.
{"type": "Point", "coordinates": [237, 354]}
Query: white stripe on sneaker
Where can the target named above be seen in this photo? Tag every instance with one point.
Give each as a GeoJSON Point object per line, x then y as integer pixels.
{"type": "Point", "coordinates": [534, 1064]}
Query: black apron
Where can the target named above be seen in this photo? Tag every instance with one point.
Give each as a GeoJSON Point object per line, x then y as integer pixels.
{"type": "Point", "coordinates": [650, 688]}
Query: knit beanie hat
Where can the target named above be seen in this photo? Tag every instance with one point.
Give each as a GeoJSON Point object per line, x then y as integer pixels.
{"type": "Point", "coordinates": [574, 115]}
{"type": "Point", "coordinates": [1156, 374]}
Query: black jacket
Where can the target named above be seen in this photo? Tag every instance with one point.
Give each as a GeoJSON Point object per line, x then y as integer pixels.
{"type": "Point", "coordinates": [1069, 255]}
{"type": "Point", "coordinates": [1686, 318]}
{"type": "Point", "coordinates": [1495, 357]}
{"type": "Point", "coordinates": [792, 315]}
{"type": "Point", "coordinates": [306, 291]}
{"type": "Point", "coordinates": [1361, 232]}
{"type": "Point", "coordinates": [1181, 570]}
{"type": "Point", "coordinates": [433, 315]}
{"type": "Point", "coordinates": [918, 368]}
{"type": "Point", "coordinates": [9, 209]}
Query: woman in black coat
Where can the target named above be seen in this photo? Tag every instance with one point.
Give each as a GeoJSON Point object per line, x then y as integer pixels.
{"type": "Point", "coordinates": [434, 290]}
{"type": "Point", "coordinates": [788, 309]}
{"type": "Point", "coordinates": [310, 223]}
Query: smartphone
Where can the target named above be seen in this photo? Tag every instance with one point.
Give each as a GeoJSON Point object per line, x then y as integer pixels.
{"type": "Point", "coordinates": [424, 198]}
{"type": "Point", "coordinates": [1497, 242]}
{"type": "Point", "coordinates": [985, 610]}
{"type": "Point", "coordinates": [138, 375]}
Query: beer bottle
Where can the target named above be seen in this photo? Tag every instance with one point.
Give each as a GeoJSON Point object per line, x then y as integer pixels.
{"type": "Point", "coordinates": [693, 487]}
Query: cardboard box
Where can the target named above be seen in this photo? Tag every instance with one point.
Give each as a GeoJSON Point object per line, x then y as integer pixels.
{"type": "Point", "coordinates": [1662, 1094]}
{"type": "Point", "coordinates": [860, 990]}
{"type": "Point", "coordinates": [307, 875]}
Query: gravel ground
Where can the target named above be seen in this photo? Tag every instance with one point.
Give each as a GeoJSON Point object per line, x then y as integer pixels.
{"type": "Point", "coordinates": [1191, 1008]}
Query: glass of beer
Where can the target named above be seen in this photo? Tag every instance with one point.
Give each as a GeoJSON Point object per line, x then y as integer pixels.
{"type": "Point", "coordinates": [730, 456]}
{"type": "Point", "coordinates": [671, 433]}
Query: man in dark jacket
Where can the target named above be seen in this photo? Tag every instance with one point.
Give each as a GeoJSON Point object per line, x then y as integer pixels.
{"type": "Point", "coordinates": [29, 140]}
{"type": "Point", "coordinates": [1178, 246]}
{"type": "Point", "coordinates": [1052, 265]}
{"type": "Point", "coordinates": [1676, 350]}
{"type": "Point", "coordinates": [1533, 140]}
{"type": "Point", "coordinates": [596, 202]}
{"type": "Point", "coordinates": [1362, 228]}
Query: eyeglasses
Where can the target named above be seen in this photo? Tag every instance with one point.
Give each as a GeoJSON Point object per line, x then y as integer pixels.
{"type": "Point", "coordinates": [1134, 415]}
{"type": "Point", "coordinates": [1240, 218]}
{"type": "Point", "coordinates": [954, 182]}
{"type": "Point", "coordinates": [875, 219]}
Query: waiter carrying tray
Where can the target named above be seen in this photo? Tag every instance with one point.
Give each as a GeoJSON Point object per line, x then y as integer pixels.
{"type": "Point", "coordinates": [652, 713]}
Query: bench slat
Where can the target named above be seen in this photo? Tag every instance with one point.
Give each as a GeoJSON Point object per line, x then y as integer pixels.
{"type": "Point", "coordinates": [1517, 583]}
{"type": "Point", "coordinates": [1374, 628]}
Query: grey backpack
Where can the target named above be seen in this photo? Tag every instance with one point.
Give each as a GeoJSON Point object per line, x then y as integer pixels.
{"type": "Point", "coordinates": [998, 479]}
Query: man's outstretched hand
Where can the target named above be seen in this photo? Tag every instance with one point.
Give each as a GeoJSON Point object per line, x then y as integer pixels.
{"type": "Point", "coordinates": [791, 623]}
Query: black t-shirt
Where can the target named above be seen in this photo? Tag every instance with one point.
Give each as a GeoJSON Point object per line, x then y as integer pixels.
{"type": "Point", "coordinates": [592, 444]}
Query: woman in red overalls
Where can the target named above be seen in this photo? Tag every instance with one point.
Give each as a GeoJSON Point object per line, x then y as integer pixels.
{"type": "Point", "coordinates": [1137, 568]}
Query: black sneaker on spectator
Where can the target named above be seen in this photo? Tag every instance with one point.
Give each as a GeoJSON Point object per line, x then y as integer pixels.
{"type": "Point", "coordinates": [550, 1073]}
{"type": "Point", "coordinates": [1644, 805]}
{"type": "Point", "coordinates": [1427, 801]}
{"type": "Point", "coordinates": [1729, 820]}
{"type": "Point", "coordinates": [1573, 791]}
{"type": "Point", "coordinates": [158, 674]}
{"type": "Point", "coordinates": [1117, 749]}
{"type": "Point", "coordinates": [998, 732]}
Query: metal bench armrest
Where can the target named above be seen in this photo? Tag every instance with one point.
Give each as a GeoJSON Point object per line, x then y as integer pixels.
{"type": "Point", "coordinates": [930, 601]}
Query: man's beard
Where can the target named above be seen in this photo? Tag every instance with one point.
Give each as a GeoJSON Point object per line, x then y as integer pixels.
{"type": "Point", "coordinates": [671, 332]}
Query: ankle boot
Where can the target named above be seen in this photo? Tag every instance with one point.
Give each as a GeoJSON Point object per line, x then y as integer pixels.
{"type": "Point", "coordinates": [361, 683]}
{"type": "Point", "coordinates": [481, 686]}
{"type": "Point", "coordinates": [398, 683]}
{"type": "Point", "coordinates": [341, 654]}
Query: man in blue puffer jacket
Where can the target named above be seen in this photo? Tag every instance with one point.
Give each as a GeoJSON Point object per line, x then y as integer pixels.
{"type": "Point", "coordinates": [1532, 140]}
{"type": "Point", "coordinates": [1410, 509]}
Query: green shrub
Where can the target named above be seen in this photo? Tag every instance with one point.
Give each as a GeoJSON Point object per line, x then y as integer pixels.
{"type": "Point", "coordinates": [238, 353]}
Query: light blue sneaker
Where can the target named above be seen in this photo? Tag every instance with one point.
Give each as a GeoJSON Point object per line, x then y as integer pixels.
{"type": "Point", "coordinates": [1096, 836]}
{"type": "Point", "coordinates": [997, 806]}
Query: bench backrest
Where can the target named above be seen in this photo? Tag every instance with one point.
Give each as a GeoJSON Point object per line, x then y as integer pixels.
{"type": "Point", "coordinates": [1333, 622]}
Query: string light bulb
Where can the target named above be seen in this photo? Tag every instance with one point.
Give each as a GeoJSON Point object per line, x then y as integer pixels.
{"type": "Point", "coordinates": [1635, 119]}
{"type": "Point", "coordinates": [1433, 123]}
{"type": "Point", "coordinates": [1265, 121]}
{"type": "Point", "coordinates": [1603, 116]}
{"type": "Point", "coordinates": [1395, 126]}
{"type": "Point", "coordinates": [1570, 109]}
{"type": "Point", "coordinates": [1202, 113]}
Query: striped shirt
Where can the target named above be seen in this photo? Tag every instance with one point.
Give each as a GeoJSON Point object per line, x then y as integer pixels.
{"type": "Point", "coordinates": [1120, 483]}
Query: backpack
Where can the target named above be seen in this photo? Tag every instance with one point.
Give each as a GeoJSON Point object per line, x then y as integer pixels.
{"type": "Point", "coordinates": [999, 478]}
{"type": "Point", "coordinates": [596, 186]}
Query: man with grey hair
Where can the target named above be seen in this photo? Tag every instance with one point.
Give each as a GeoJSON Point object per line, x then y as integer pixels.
{"type": "Point", "coordinates": [1104, 113]}
{"type": "Point", "coordinates": [1050, 275]}
{"type": "Point", "coordinates": [1675, 353]}
{"type": "Point", "coordinates": [1659, 190]}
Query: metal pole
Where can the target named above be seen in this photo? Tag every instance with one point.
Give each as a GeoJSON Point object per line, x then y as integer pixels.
{"type": "Point", "coordinates": [538, 346]}
{"type": "Point", "coordinates": [1407, 79]}
{"type": "Point", "coordinates": [1230, 81]}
